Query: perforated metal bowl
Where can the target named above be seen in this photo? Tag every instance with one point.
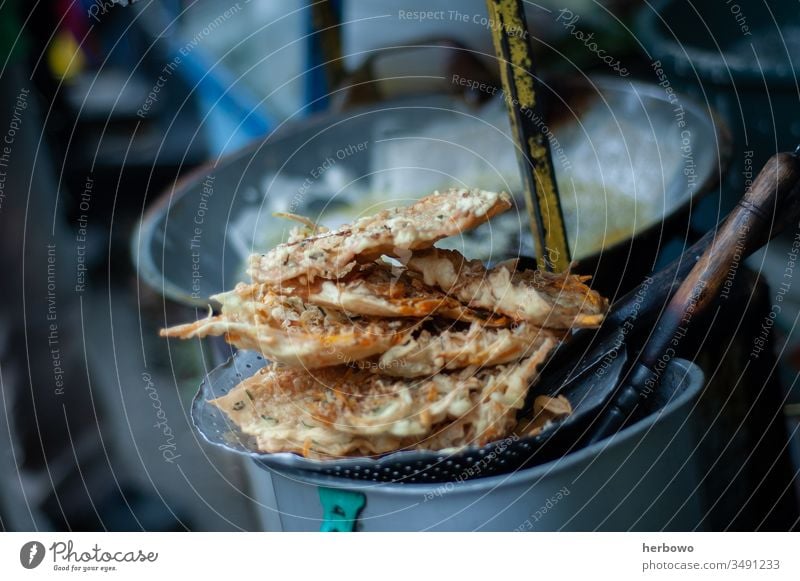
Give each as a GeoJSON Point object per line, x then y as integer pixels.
{"type": "Point", "coordinates": [410, 466]}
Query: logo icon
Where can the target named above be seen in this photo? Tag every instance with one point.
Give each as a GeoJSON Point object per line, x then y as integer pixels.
{"type": "Point", "coordinates": [31, 554]}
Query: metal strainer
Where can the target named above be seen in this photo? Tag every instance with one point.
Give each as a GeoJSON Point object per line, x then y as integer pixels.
{"type": "Point", "coordinates": [411, 466]}
{"type": "Point", "coordinates": [407, 466]}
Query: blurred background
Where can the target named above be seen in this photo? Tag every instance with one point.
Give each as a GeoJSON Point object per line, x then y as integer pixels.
{"type": "Point", "coordinates": [127, 127]}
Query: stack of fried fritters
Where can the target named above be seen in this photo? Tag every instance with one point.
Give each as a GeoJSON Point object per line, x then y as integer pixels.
{"type": "Point", "coordinates": [427, 350]}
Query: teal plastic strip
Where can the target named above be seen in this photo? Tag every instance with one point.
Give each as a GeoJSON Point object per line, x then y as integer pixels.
{"type": "Point", "coordinates": [340, 509]}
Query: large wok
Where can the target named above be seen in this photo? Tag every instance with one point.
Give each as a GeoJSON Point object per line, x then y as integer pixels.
{"type": "Point", "coordinates": [629, 168]}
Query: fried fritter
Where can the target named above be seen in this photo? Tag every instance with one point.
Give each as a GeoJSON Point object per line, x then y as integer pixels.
{"type": "Point", "coordinates": [379, 290]}
{"type": "Point", "coordinates": [553, 301]}
{"type": "Point", "coordinates": [331, 255]}
{"type": "Point", "coordinates": [339, 411]}
{"type": "Point", "coordinates": [289, 331]}
{"type": "Point", "coordinates": [546, 409]}
{"type": "Point", "coordinates": [426, 353]}
{"type": "Point", "coordinates": [369, 358]}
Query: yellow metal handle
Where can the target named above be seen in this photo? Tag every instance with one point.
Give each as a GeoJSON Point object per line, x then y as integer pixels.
{"type": "Point", "coordinates": [513, 48]}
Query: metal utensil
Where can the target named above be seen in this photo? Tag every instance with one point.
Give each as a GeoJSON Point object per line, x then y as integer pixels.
{"type": "Point", "coordinates": [766, 209]}
{"type": "Point", "coordinates": [520, 92]}
{"type": "Point", "coordinates": [738, 235]}
{"type": "Point", "coordinates": [590, 385]}
{"type": "Point", "coordinates": [588, 349]}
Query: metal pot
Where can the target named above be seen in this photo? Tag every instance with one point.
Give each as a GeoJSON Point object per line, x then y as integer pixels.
{"type": "Point", "coordinates": [643, 478]}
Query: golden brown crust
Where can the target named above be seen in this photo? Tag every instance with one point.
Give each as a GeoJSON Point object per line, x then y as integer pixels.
{"type": "Point", "coordinates": [555, 301]}
{"type": "Point", "coordinates": [341, 411]}
{"type": "Point", "coordinates": [546, 410]}
{"type": "Point", "coordinates": [379, 290]}
{"type": "Point", "coordinates": [287, 330]}
{"type": "Point", "coordinates": [333, 254]}
{"type": "Point", "coordinates": [426, 353]}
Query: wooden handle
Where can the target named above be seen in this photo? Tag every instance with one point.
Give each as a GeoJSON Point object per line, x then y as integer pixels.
{"type": "Point", "coordinates": [746, 228]}
{"type": "Point", "coordinates": [754, 215]}
{"type": "Point", "coordinates": [650, 295]}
